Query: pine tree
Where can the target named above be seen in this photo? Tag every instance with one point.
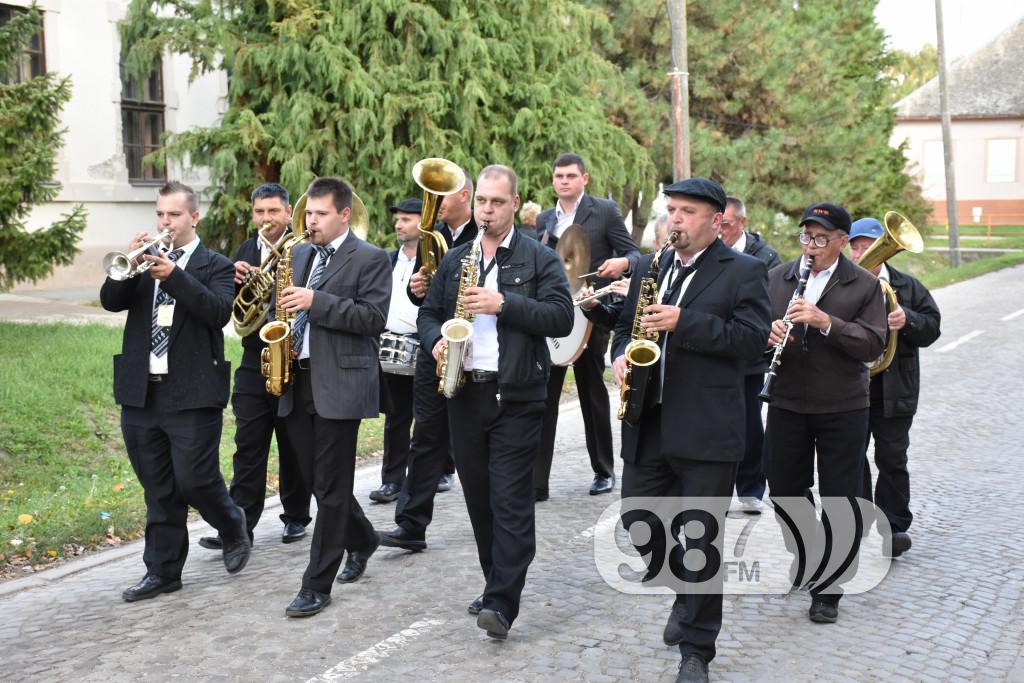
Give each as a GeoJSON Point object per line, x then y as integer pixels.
{"type": "Point", "coordinates": [29, 138]}
{"type": "Point", "coordinates": [789, 102]}
{"type": "Point", "coordinates": [365, 88]}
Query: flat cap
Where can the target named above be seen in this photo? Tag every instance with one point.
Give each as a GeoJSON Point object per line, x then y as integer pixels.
{"type": "Point", "coordinates": [407, 206]}
{"type": "Point", "coordinates": [699, 188]}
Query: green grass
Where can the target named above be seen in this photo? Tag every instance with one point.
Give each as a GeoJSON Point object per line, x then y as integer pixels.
{"type": "Point", "coordinates": [62, 458]}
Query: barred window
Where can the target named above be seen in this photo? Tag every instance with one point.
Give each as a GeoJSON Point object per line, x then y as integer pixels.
{"type": "Point", "coordinates": [33, 59]}
{"type": "Point", "coordinates": [142, 120]}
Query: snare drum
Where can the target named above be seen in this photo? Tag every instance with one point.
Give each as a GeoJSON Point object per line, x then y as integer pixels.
{"type": "Point", "coordinates": [398, 353]}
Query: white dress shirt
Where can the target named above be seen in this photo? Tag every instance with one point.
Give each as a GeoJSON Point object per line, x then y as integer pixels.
{"type": "Point", "coordinates": [336, 243]}
{"type": "Point", "coordinates": [562, 219]}
{"type": "Point", "coordinates": [402, 312]}
{"type": "Point", "coordinates": [484, 347]}
{"type": "Point", "coordinates": [816, 285]}
{"type": "Point", "coordinates": [158, 364]}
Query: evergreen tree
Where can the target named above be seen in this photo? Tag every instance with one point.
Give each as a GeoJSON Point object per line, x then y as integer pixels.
{"type": "Point", "coordinates": [789, 103]}
{"type": "Point", "coordinates": [29, 138]}
{"type": "Point", "coordinates": [365, 88]}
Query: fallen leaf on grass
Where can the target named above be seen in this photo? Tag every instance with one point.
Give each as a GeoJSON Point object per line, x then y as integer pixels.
{"type": "Point", "coordinates": [25, 519]}
{"type": "Point", "coordinates": [119, 487]}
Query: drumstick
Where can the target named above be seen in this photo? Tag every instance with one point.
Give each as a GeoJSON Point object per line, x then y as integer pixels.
{"type": "Point", "coordinates": [406, 322]}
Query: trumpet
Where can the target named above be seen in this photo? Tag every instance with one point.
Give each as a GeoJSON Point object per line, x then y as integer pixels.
{"type": "Point", "coordinates": [598, 294]}
{"type": "Point", "coordinates": [120, 266]}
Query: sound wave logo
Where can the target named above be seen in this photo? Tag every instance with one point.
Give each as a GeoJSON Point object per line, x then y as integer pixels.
{"type": "Point", "coordinates": [690, 545]}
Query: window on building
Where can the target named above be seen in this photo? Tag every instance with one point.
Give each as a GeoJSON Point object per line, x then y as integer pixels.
{"type": "Point", "coordinates": [142, 121]}
{"type": "Point", "coordinates": [1001, 161]}
{"type": "Point", "coordinates": [934, 167]}
{"type": "Point", "coordinates": [33, 61]}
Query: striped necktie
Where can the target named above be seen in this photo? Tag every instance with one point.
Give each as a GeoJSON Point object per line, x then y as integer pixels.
{"type": "Point", "coordinates": [160, 336]}
{"type": "Point", "coordinates": [302, 319]}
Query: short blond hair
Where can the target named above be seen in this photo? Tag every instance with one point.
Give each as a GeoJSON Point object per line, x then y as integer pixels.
{"type": "Point", "coordinates": [528, 214]}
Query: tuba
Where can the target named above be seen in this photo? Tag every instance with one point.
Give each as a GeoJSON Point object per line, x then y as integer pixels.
{"type": "Point", "coordinates": [120, 266]}
{"type": "Point", "coordinates": [458, 331]}
{"type": "Point", "coordinates": [252, 303]}
{"type": "Point", "coordinates": [900, 235]}
{"type": "Point", "coordinates": [643, 351]}
{"type": "Point", "coordinates": [438, 178]}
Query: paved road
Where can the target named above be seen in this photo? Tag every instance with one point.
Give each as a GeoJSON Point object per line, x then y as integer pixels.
{"type": "Point", "coordinates": [950, 609]}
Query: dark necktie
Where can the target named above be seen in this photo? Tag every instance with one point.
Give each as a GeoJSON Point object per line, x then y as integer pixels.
{"type": "Point", "coordinates": [675, 282]}
{"type": "Point", "coordinates": [160, 336]}
{"type": "Point", "coordinates": [302, 319]}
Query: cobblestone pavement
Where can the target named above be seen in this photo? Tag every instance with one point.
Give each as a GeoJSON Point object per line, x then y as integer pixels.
{"type": "Point", "coordinates": [950, 609]}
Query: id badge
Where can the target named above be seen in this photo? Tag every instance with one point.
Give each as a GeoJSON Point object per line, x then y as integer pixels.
{"type": "Point", "coordinates": [165, 315]}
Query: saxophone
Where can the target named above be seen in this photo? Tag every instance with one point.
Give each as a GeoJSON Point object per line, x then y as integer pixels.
{"type": "Point", "coordinates": [276, 358]}
{"type": "Point", "coordinates": [459, 330]}
{"type": "Point", "coordinates": [643, 351]}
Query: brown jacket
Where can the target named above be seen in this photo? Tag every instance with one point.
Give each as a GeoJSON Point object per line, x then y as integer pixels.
{"type": "Point", "coordinates": [826, 374]}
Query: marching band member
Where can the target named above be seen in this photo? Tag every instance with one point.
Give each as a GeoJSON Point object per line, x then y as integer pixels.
{"type": "Point", "coordinates": [340, 303]}
{"type": "Point", "coordinates": [712, 315]}
{"type": "Point", "coordinates": [255, 409]}
{"type": "Point", "coordinates": [171, 381]}
{"type": "Point", "coordinates": [820, 400]}
{"type": "Point", "coordinates": [894, 392]}
{"type": "Point", "coordinates": [397, 388]}
{"type": "Point", "coordinates": [612, 254]}
{"type": "Point", "coordinates": [520, 298]}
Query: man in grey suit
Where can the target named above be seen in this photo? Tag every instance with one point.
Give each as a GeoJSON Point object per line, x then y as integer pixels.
{"type": "Point", "coordinates": [340, 310]}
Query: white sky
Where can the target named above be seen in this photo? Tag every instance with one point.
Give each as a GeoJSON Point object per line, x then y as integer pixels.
{"type": "Point", "coordinates": [969, 24]}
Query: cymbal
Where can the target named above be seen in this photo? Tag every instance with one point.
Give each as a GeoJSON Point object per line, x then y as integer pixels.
{"type": "Point", "coordinates": [574, 248]}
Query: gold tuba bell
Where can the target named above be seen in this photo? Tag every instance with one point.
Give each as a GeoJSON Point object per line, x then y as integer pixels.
{"type": "Point", "coordinates": [900, 235]}
{"type": "Point", "coordinates": [438, 178]}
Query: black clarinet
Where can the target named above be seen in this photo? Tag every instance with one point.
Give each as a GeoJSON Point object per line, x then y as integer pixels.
{"type": "Point", "coordinates": [773, 368]}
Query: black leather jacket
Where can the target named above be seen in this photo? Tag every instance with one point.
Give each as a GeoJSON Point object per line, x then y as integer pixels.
{"type": "Point", "coordinates": [537, 305]}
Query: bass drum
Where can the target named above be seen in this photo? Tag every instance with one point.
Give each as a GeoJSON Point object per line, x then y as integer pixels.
{"type": "Point", "coordinates": [565, 350]}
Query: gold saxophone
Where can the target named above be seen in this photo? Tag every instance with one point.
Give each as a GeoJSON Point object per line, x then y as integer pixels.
{"type": "Point", "coordinates": [459, 330]}
{"type": "Point", "coordinates": [276, 358]}
{"type": "Point", "coordinates": [643, 352]}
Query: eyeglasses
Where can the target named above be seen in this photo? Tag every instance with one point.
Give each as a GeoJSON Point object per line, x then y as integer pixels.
{"type": "Point", "coordinates": [820, 241]}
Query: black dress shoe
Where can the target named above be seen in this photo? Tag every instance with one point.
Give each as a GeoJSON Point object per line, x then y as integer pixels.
{"type": "Point", "coordinates": [236, 555]}
{"type": "Point", "coordinates": [211, 542]}
{"type": "Point", "coordinates": [602, 485]}
{"type": "Point", "coordinates": [307, 603]}
{"type": "Point", "coordinates": [540, 495]}
{"type": "Point", "coordinates": [476, 606]}
{"type": "Point", "coordinates": [693, 669]}
{"type": "Point", "coordinates": [387, 493]}
{"type": "Point", "coordinates": [897, 544]}
{"type": "Point", "coordinates": [673, 633]}
{"type": "Point", "coordinates": [823, 612]}
{"type": "Point", "coordinates": [400, 538]}
{"type": "Point", "coordinates": [150, 587]}
{"type": "Point", "coordinates": [356, 563]}
{"type": "Point", "coordinates": [494, 622]}
{"type": "Point", "coordinates": [444, 483]}
{"type": "Point", "coordinates": [293, 531]}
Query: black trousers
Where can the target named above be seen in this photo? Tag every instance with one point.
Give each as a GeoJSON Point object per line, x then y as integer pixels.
{"type": "Point", "coordinates": [792, 440]}
{"type": "Point", "coordinates": [397, 423]}
{"type": "Point", "coordinates": [430, 454]}
{"type": "Point", "coordinates": [175, 456]}
{"type": "Point", "coordinates": [654, 474]}
{"type": "Point", "coordinates": [892, 489]}
{"type": "Point", "coordinates": [750, 479]}
{"type": "Point", "coordinates": [495, 446]}
{"type": "Point", "coordinates": [326, 452]}
{"type": "Point", "coordinates": [256, 421]}
{"type": "Point", "coordinates": [589, 372]}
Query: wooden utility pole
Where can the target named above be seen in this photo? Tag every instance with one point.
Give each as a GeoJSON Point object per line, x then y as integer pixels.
{"type": "Point", "coordinates": [680, 91]}
{"type": "Point", "coordinates": [947, 144]}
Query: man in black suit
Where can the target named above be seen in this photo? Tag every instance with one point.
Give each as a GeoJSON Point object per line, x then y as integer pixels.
{"type": "Point", "coordinates": [340, 303]}
{"type": "Point", "coordinates": [255, 409]}
{"type": "Point", "coordinates": [171, 381]}
{"type": "Point", "coordinates": [396, 391]}
{"type": "Point", "coordinates": [612, 255]}
{"type": "Point", "coordinates": [894, 391]}
{"type": "Point", "coordinates": [431, 466]}
{"type": "Point", "coordinates": [521, 296]}
{"type": "Point", "coordinates": [750, 479]}
{"type": "Point", "coordinates": [713, 318]}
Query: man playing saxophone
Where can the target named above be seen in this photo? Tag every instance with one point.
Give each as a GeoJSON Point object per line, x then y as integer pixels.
{"type": "Point", "coordinates": [710, 317]}
{"type": "Point", "coordinates": [255, 409]}
{"type": "Point", "coordinates": [520, 297]}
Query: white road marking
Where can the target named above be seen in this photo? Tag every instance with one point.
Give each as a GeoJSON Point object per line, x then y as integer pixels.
{"type": "Point", "coordinates": [1011, 316]}
{"type": "Point", "coordinates": [360, 662]}
{"type": "Point", "coordinates": [962, 340]}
